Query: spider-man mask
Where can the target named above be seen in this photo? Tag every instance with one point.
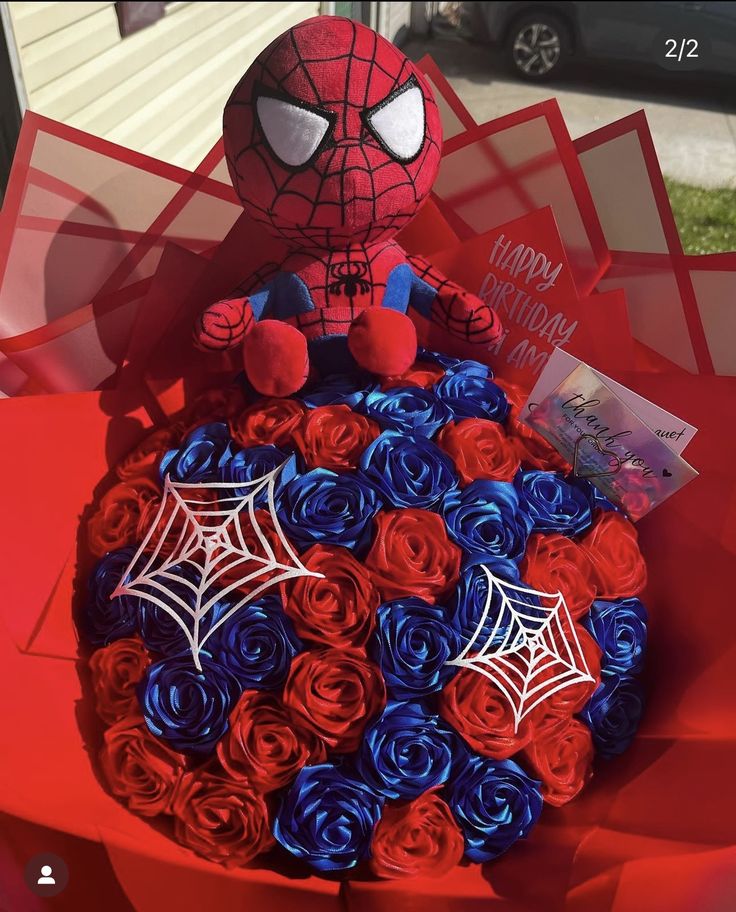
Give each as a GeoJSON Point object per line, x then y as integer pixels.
{"type": "Point", "coordinates": [332, 136]}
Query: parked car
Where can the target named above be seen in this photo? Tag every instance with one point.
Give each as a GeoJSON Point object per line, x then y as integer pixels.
{"type": "Point", "coordinates": [539, 38]}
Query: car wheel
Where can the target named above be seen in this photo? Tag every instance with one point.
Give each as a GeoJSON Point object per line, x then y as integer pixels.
{"type": "Point", "coordinates": [537, 46]}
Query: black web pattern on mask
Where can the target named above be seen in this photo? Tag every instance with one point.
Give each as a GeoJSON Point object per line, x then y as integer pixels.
{"type": "Point", "coordinates": [304, 235]}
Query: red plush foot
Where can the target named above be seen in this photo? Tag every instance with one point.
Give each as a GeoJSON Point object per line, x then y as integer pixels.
{"type": "Point", "coordinates": [383, 341]}
{"type": "Point", "coordinates": [275, 358]}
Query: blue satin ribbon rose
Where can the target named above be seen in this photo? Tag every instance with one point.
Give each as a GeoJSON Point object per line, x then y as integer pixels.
{"type": "Point", "coordinates": [322, 506]}
{"type": "Point", "coordinates": [620, 629]}
{"type": "Point", "coordinates": [470, 601]}
{"type": "Point", "coordinates": [445, 361]}
{"type": "Point", "coordinates": [408, 471]}
{"type": "Point", "coordinates": [256, 643]}
{"type": "Point", "coordinates": [327, 817]}
{"type": "Point", "coordinates": [201, 456]}
{"type": "Point", "coordinates": [412, 643]}
{"type": "Point", "coordinates": [338, 389]}
{"type": "Point", "coordinates": [469, 392]}
{"type": "Point", "coordinates": [160, 631]}
{"type": "Point", "coordinates": [410, 410]}
{"type": "Point", "coordinates": [596, 498]}
{"type": "Point", "coordinates": [406, 751]}
{"type": "Point", "coordinates": [494, 803]}
{"type": "Point", "coordinates": [553, 505]}
{"type": "Point", "coordinates": [253, 463]}
{"type": "Point", "coordinates": [613, 713]}
{"type": "Point", "coordinates": [487, 519]}
{"type": "Point", "coordinates": [104, 619]}
{"type": "Point", "coordinates": [186, 707]}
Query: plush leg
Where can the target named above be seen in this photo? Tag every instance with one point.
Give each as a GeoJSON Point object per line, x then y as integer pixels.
{"type": "Point", "coordinates": [275, 358]}
{"type": "Point", "coordinates": [383, 341]}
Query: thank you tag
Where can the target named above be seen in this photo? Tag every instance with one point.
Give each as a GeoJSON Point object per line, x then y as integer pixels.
{"type": "Point", "coordinates": [606, 441]}
{"type": "Point", "coordinates": [675, 432]}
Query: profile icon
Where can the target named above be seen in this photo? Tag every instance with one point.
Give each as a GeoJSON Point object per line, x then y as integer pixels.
{"type": "Point", "coordinates": [46, 878]}
{"type": "Point", "coordinates": [46, 874]}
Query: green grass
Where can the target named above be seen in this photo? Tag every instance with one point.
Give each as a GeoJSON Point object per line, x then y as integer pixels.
{"type": "Point", "coordinates": [706, 219]}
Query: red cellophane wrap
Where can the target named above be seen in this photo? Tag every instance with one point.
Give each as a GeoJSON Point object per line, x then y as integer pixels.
{"type": "Point", "coordinates": [106, 255]}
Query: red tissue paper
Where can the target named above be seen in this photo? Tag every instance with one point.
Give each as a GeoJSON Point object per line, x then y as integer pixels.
{"type": "Point", "coordinates": [106, 256]}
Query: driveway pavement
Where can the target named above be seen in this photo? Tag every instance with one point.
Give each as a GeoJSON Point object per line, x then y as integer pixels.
{"type": "Point", "coordinates": [692, 122]}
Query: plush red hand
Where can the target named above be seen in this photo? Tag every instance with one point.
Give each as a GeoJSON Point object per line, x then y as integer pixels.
{"type": "Point", "coordinates": [223, 324]}
{"type": "Point", "coordinates": [464, 315]}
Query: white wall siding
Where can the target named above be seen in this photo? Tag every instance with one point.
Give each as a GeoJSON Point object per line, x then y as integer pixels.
{"type": "Point", "coordinates": [159, 91]}
{"type": "Point", "coordinates": [396, 20]}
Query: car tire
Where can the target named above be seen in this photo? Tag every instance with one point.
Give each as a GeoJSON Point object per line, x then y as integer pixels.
{"type": "Point", "coordinates": [537, 45]}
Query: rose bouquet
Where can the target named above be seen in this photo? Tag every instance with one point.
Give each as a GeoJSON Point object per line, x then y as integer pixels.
{"type": "Point", "coordinates": [331, 718]}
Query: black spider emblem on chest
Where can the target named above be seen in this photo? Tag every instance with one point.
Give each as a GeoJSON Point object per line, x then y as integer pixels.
{"type": "Point", "coordinates": [349, 279]}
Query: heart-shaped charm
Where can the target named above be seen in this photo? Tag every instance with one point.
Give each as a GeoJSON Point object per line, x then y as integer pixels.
{"type": "Point", "coordinates": [613, 461]}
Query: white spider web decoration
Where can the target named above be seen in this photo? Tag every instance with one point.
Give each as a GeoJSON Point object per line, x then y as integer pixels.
{"type": "Point", "coordinates": [536, 655]}
{"type": "Point", "coordinates": [203, 540]}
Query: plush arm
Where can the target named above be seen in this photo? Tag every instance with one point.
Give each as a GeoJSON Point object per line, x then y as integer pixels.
{"type": "Point", "coordinates": [223, 325]}
{"type": "Point", "coordinates": [447, 304]}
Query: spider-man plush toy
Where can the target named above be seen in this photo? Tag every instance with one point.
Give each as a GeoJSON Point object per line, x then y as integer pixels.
{"type": "Point", "coordinates": [332, 140]}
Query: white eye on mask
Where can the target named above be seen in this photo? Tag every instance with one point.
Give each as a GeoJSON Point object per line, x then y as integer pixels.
{"type": "Point", "coordinates": [294, 132]}
{"type": "Point", "coordinates": [398, 122]}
